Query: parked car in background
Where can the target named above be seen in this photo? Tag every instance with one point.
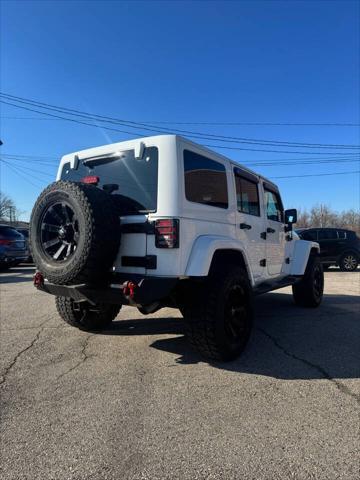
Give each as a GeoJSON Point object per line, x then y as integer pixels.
{"type": "Point", "coordinates": [25, 232]}
{"type": "Point", "coordinates": [338, 246]}
{"type": "Point", "coordinates": [13, 248]}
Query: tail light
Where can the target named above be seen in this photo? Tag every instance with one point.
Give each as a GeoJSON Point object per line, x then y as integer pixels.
{"type": "Point", "coordinates": [90, 179]}
{"type": "Point", "coordinates": [167, 233]}
{"type": "Point", "coordinates": [3, 241]}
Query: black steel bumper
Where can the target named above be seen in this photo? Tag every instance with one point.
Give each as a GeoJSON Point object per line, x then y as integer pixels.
{"type": "Point", "coordinates": [148, 290]}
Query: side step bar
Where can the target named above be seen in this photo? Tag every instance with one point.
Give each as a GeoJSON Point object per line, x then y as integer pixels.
{"type": "Point", "coordinates": [275, 285]}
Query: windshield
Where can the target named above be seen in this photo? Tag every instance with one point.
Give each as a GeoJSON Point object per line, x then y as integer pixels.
{"type": "Point", "coordinates": [131, 181]}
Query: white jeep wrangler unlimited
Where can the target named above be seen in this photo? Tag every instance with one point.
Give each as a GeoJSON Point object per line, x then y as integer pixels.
{"type": "Point", "coordinates": [163, 222]}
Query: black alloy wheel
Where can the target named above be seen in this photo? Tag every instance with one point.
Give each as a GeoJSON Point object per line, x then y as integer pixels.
{"type": "Point", "coordinates": [235, 318]}
{"type": "Point", "coordinates": [59, 231]}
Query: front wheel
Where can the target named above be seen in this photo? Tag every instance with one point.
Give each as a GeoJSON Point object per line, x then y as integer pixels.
{"type": "Point", "coordinates": [85, 316]}
{"type": "Point", "coordinates": [348, 262]}
{"type": "Point", "coordinates": [309, 291]}
{"type": "Point", "coordinates": [219, 318]}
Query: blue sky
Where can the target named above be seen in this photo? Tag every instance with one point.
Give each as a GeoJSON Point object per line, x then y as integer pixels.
{"type": "Point", "coordinates": [256, 61]}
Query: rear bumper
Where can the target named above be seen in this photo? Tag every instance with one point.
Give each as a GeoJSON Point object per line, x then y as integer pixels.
{"type": "Point", "coordinates": [148, 290]}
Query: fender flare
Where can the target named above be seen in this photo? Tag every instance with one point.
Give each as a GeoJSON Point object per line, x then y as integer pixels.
{"type": "Point", "coordinates": [301, 254]}
{"type": "Point", "coordinates": [203, 251]}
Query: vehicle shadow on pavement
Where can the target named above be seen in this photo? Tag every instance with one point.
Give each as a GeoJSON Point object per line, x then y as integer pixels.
{"type": "Point", "coordinates": [288, 342]}
{"type": "Point", "coordinates": [146, 326]}
{"type": "Point", "coordinates": [17, 275]}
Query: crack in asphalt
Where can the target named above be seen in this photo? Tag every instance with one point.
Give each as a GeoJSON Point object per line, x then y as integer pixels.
{"type": "Point", "coordinates": [340, 386]}
{"type": "Point", "coordinates": [84, 356]}
{"type": "Point", "coordinates": [21, 352]}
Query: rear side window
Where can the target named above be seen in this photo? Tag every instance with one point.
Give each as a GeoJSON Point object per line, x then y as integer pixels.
{"type": "Point", "coordinates": [274, 209]}
{"type": "Point", "coordinates": [205, 180]}
{"type": "Point", "coordinates": [327, 235]}
{"type": "Point", "coordinates": [247, 196]}
{"type": "Point", "coordinates": [343, 234]}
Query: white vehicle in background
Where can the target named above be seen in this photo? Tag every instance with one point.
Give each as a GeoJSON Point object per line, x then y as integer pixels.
{"type": "Point", "coordinates": [163, 222]}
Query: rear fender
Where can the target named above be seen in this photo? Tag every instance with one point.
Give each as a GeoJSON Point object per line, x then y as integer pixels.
{"type": "Point", "coordinates": [203, 251]}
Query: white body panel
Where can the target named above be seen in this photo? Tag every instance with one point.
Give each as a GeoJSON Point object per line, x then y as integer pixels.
{"type": "Point", "coordinates": [204, 229]}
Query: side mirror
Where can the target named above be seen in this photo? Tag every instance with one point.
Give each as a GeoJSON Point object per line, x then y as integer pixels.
{"type": "Point", "coordinates": [291, 216]}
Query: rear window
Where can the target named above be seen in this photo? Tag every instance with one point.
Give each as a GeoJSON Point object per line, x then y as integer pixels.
{"type": "Point", "coordinates": [9, 232]}
{"type": "Point", "coordinates": [205, 180]}
{"type": "Point", "coordinates": [133, 182]}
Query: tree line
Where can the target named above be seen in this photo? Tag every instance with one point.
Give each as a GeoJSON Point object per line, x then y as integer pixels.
{"type": "Point", "coordinates": [324, 216]}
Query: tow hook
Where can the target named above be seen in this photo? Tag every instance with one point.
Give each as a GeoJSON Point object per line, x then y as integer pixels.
{"type": "Point", "coordinates": [129, 289]}
{"type": "Point", "coordinates": [38, 280]}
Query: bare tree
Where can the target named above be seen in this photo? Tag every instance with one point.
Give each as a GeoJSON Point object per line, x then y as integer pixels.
{"type": "Point", "coordinates": [7, 206]}
{"type": "Point", "coordinates": [350, 219]}
{"type": "Point", "coordinates": [323, 216]}
{"type": "Point", "coordinates": [303, 218]}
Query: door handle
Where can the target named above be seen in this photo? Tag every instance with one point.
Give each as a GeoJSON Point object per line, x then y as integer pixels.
{"type": "Point", "coordinates": [270, 230]}
{"type": "Point", "coordinates": [245, 226]}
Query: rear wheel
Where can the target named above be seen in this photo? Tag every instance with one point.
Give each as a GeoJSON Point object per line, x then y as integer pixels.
{"type": "Point", "coordinates": [85, 316]}
{"type": "Point", "coordinates": [348, 262]}
{"type": "Point", "coordinates": [219, 318]}
{"type": "Point", "coordinates": [309, 291]}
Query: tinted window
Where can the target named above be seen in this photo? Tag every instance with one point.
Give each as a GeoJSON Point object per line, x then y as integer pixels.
{"type": "Point", "coordinates": [247, 196]}
{"type": "Point", "coordinates": [344, 235]}
{"type": "Point", "coordinates": [205, 180]}
{"type": "Point", "coordinates": [24, 232]}
{"type": "Point", "coordinates": [136, 179]}
{"type": "Point", "coordinates": [9, 232]}
{"type": "Point", "coordinates": [309, 235]}
{"type": "Point", "coordinates": [273, 206]}
{"type": "Point", "coordinates": [327, 234]}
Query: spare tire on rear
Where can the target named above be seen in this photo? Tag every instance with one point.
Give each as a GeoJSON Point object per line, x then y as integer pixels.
{"type": "Point", "coordinates": [74, 233]}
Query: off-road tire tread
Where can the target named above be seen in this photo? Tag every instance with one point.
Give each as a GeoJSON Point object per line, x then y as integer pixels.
{"type": "Point", "coordinates": [200, 316]}
{"type": "Point", "coordinates": [107, 313]}
{"type": "Point", "coordinates": [302, 291]}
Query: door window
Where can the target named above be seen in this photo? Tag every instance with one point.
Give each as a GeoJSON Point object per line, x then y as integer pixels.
{"type": "Point", "coordinates": [309, 235]}
{"type": "Point", "coordinates": [247, 196]}
{"type": "Point", "coordinates": [274, 209]}
{"type": "Point", "coordinates": [327, 234]}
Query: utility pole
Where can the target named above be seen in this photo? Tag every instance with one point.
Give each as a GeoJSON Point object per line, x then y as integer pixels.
{"type": "Point", "coordinates": [11, 215]}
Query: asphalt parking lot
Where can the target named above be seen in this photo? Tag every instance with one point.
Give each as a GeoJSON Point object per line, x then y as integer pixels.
{"type": "Point", "coordinates": [135, 402]}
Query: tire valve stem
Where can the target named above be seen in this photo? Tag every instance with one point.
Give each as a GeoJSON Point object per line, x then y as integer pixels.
{"type": "Point", "coordinates": [38, 280]}
{"type": "Point", "coordinates": [129, 289]}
